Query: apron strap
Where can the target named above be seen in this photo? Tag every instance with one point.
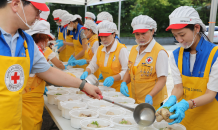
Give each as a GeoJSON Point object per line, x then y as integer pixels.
{"type": "Point", "coordinates": [209, 62]}
{"type": "Point", "coordinates": [180, 59]}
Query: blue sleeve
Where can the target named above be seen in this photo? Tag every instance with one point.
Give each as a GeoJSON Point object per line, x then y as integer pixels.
{"type": "Point", "coordinates": [40, 64]}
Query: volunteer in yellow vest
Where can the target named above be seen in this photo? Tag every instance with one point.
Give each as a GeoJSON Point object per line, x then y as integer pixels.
{"type": "Point", "coordinates": [80, 41]}
{"type": "Point", "coordinates": [111, 57]}
{"type": "Point", "coordinates": [147, 65]}
{"type": "Point", "coordinates": [90, 31]}
{"type": "Point", "coordinates": [23, 57]}
{"type": "Point", "coordinates": [194, 68]}
{"type": "Point", "coordinates": [33, 101]}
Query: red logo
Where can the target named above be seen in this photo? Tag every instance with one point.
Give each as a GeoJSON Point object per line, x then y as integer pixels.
{"type": "Point", "coordinates": [15, 78]}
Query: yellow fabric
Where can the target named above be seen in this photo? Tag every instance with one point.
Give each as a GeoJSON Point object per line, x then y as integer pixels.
{"type": "Point", "coordinates": [78, 48]}
{"type": "Point", "coordinates": [113, 65]}
{"type": "Point", "coordinates": [11, 102]}
{"type": "Point", "coordinates": [144, 77]}
{"type": "Point", "coordinates": [89, 54]}
{"type": "Point", "coordinates": [68, 51]}
{"type": "Point", "coordinates": [33, 101]}
{"type": "Point", "coordinates": [204, 117]}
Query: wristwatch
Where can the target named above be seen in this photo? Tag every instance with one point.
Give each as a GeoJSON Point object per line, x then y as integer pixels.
{"type": "Point", "coordinates": [82, 85]}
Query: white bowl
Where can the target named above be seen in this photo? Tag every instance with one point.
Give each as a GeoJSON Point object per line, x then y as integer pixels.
{"type": "Point", "coordinates": [115, 94]}
{"type": "Point", "coordinates": [164, 124]}
{"type": "Point", "coordinates": [65, 98]}
{"type": "Point", "coordinates": [52, 96]}
{"type": "Point", "coordinates": [123, 100]}
{"type": "Point", "coordinates": [116, 119]}
{"type": "Point", "coordinates": [75, 119]}
{"type": "Point", "coordinates": [96, 104]}
{"type": "Point", "coordinates": [106, 89]}
{"type": "Point", "coordinates": [101, 84]}
{"type": "Point", "coordinates": [69, 105]}
{"type": "Point", "coordinates": [86, 98]}
{"type": "Point", "coordinates": [143, 128]}
{"type": "Point", "coordinates": [101, 121]}
{"type": "Point", "coordinates": [65, 63]}
{"type": "Point", "coordinates": [117, 111]}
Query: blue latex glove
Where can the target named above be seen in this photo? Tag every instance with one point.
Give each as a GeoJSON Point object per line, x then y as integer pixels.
{"type": "Point", "coordinates": [124, 89]}
{"type": "Point", "coordinates": [72, 63]}
{"type": "Point", "coordinates": [109, 81]}
{"type": "Point", "coordinates": [60, 43]}
{"type": "Point", "coordinates": [45, 91]}
{"type": "Point", "coordinates": [72, 58]}
{"type": "Point", "coordinates": [51, 65]}
{"type": "Point", "coordinates": [148, 99]}
{"type": "Point", "coordinates": [170, 102]}
{"type": "Point", "coordinates": [84, 75]}
{"type": "Point", "coordinates": [100, 77]}
{"type": "Point", "coordinates": [80, 62]}
{"type": "Point", "coordinates": [65, 66]}
{"type": "Point", "coordinates": [179, 109]}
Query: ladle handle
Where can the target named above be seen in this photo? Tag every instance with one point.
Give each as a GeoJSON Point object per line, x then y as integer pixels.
{"type": "Point", "coordinates": [118, 104]}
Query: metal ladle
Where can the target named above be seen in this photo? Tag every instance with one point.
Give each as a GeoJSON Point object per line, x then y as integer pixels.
{"type": "Point", "coordinates": [144, 113]}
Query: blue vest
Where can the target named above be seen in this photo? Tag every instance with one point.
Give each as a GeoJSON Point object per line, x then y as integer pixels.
{"type": "Point", "coordinates": [203, 51]}
{"type": "Point", "coordinates": [77, 34]}
{"type": "Point", "coordinates": [20, 50]}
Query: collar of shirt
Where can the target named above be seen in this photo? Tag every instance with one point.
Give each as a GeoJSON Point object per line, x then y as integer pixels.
{"type": "Point", "coordinates": [8, 37]}
{"type": "Point", "coordinates": [148, 48]}
{"type": "Point", "coordinates": [113, 48]}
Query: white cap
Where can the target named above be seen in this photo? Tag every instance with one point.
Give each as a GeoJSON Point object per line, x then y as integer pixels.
{"type": "Point", "coordinates": [76, 16]}
{"type": "Point", "coordinates": [105, 28]}
{"type": "Point", "coordinates": [56, 14]}
{"type": "Point", "coordinates": [89, 24]}
{"type": "Point", "coordinates": [66, 18]}
{"type": "Point", "coordinates": [44, 15]}
{"type": "Point", "coordinates": [42, 27]}
{"type": "Point", "coordinates": [184, 15]}
{"type": "Point", "coordinates": [90, 15]}
{"type": "Point", "coordinates": [61, 14]}
{"type": "Point", "coordinates": [143, 23]}
{"type": "Point", "coordinates": [104, 16]}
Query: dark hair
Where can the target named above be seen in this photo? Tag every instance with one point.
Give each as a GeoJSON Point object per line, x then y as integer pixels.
{"type": "Point", "coordinates": [99, 39]}
{"type": "Point", "coordinates": [40, 37]}
{"type": "Point", "coordinates": [3, 3]}
{"type": "Point", "coordinates": [192, 27]}
{"type": "Point", "coordinates": [79, 21]}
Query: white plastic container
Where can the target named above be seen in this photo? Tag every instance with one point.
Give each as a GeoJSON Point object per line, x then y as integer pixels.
{"type": "Point", "coordinates": [53, 94]}
{"type": "Point", "coordinates": [143, 128]}
{"type": "Point", "coordinates": [164, 124]}
{"type": "Point", "coordinates": [116, 119]}
{"type": "Point", "coordinates": [65, 98]}
{"type": "Point", "coordinates": [117, 112]}
{"type": "Point", "coordinates": [67, 106]}
{"type": "Point", "coordinates": [96, 104]}
{"type": "Point", "coordinates": [101, 121]}
{"type": "Point", "coordinates": [106, 89]}
{"type": "Point", "coordinates": [124, 100]}
{"type": "Point", "coordinates": [75, 119]}
{"type": "Point", "coordinates": [86, 98]}
{"type": "Point", "coordinates": [115, 94]}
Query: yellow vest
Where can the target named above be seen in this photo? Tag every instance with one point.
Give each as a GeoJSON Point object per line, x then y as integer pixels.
{"type": "Point", "coordinates": [144, 77]}
{"type": "Point", "coordinates": [204, 117]}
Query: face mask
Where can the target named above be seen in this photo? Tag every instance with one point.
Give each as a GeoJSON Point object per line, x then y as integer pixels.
{"type": "Point", "coordinates": [70, 28]}
{"type": "Point", "coordinates": [187, 46]}
{"type": "Point", "coordinates": [30, 27]}
{"type": "Point", "coordinates": [142, 44]}
{"type": "Point", "coordinates": [106, 45]}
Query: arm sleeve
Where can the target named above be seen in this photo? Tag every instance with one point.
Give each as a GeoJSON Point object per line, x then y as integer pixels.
{"type": "Point", "coordinates": [162, 64]}
{"type": "Point", "coordinates": [95, 47]}
{"type": "Point", "coordinates": [82, 35]}
{"type": "Point", "coordinates": [92, 65]}
{"type": "Point", "coordinates": [123, 58]}
{"type": "Point", "coordinates": [213, 78]}
{"type": "Point", "coordinates": [51, 56]}
{"type": "Point", "coordinates": [39, 62]}
{"type": "Point", "coordinates": [177, 79]}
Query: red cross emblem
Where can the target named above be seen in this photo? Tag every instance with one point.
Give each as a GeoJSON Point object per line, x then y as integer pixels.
{"type": "Point", "coordinates": [15, 78]}
{"type": "Point", "coordinates": [149, 60]}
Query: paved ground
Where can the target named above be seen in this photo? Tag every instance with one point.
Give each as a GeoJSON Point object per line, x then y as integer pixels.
{"type": "Point", "coordinates": [47, 121]}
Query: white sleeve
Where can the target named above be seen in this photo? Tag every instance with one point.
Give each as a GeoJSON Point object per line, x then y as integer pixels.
{"type": "Point", "coordinates": [95, 47]}
{"type": "Point", "coordinates": [51, 56]}
{"type": "Point", "coordinates": [213, 78]}
{"type": "Point", "coordinates": [162, 64]}
{"type": "Point", "coordinates": [123, 58]}
{"type": "Point", "coordinates": [92, 64]}
{"type": "Point", "coordinates": [177, 79]}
